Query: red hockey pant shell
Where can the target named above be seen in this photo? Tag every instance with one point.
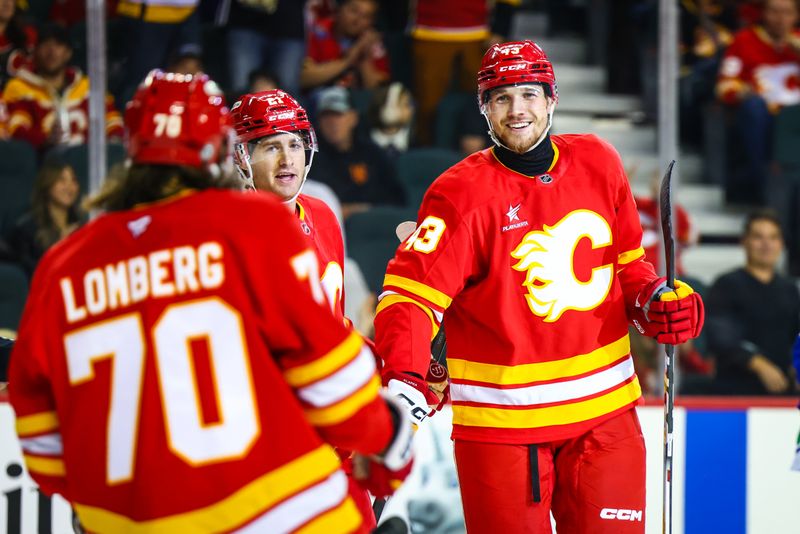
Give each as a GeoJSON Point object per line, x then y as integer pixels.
{"type": "Point", "coordinates": [593, 484]}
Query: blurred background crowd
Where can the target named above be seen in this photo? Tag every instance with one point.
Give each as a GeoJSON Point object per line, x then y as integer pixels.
{"type": "Point", "coordinates": [391, 88]}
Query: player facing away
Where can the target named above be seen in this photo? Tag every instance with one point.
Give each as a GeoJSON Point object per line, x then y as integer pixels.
{"type": "Point", "coordinates": [530, 252]}
{"type": "Point", "coordinates": [274, 152]}
{"type": "Point", "coordinates": [178, 368]}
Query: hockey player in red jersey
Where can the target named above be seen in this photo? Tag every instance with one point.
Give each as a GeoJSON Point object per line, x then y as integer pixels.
{"type": "Point", "coordinates": [274, 152]}
{"type": "Point", "coordinates": [530, 254]}
{"type": "Point", "coordinates": [177, 367]}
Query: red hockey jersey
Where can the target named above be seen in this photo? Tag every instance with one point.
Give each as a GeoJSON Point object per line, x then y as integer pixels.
{"type": "Point", "coordinates": [753, 61]}
{"type": "Point", "coordinates": [532, 276]}
{"type": "Point", "coordinates": [183, 373]}
{"type": "Point", "coordinates": [321, 226]}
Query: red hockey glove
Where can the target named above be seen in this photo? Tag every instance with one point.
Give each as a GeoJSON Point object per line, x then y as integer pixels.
{"type": "Point", "coordinates": [376, 478]}
{"type": "Point", "coordinates": [381, 475]}
{"type": "Point", "coordinates": [670, 316]}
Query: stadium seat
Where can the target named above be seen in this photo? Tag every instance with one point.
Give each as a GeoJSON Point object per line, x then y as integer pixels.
{"type": "Point", "coordinates": [17, 174]}
{"type": "Point", "coordinates": [371, 240]}
{"type": "Point", "coordinates": [13, 292]}
{"type": "Point", "coordinates": [419, 167]}
{"type": "Point", "coordinates": [787, 138]}
{"type": "Point", "coordinates": [78, 157]}
{"type": "Point", "coordinates": [447, 121]}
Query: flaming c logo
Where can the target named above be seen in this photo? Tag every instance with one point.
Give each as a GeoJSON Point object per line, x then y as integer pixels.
{"type": "Point", "coordinates": [547, 256]}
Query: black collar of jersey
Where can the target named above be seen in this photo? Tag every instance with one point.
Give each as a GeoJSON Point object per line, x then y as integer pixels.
{"type": "Point", "coordinates": [533, 163]}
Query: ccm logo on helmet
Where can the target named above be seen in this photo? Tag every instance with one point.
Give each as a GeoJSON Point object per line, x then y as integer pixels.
{"type": "Point", "coordinates": [519, 66]}
{"type": "Point", "coordinates": [621, 514]}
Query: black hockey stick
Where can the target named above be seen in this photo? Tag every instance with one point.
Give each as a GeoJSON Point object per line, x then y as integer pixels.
{"type": "Point", "coordinates": [665, 205]}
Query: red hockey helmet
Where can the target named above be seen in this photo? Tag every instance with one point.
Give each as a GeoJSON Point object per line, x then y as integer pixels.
{"type": "Point", "coordinates": [271, 112]}
{"type": "Point", "coordinates": [515, 63]}
{"type": "Point", "coordinates": [177, 119]}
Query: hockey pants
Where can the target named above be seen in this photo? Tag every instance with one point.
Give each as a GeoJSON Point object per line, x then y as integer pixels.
{"type": "Point", "coordinates": [593, 484]}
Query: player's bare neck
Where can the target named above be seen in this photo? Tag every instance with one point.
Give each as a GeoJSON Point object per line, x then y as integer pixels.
{"type": "Point", "coordinates": [532, 163]}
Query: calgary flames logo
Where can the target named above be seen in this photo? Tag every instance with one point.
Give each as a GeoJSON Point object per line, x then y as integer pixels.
{"type": "Point", "coordinates": [547, 256]}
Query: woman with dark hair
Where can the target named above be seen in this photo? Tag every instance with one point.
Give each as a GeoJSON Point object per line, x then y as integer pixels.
{"type": "Point", "coordinates": [55, 213]}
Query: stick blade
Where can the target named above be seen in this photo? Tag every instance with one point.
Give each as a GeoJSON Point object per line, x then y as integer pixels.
{"type": "Point", "coordinates": [665, 207]}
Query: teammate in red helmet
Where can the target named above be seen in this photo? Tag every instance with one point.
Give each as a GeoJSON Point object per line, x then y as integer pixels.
{"type": "Point", "coordinates": [177, 369]}
{"type": "Point", "coordinates": [274, 152]}
{"type": "Point", "coordinates": [530, 253]}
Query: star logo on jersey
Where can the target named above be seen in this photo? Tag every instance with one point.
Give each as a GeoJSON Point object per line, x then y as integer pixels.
{"type": "Point", "coordinates": [513, 213]}
{"type": "Point", "coordinates": [138, 226]}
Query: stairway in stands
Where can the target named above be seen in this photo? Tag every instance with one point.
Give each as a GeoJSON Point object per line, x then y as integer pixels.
{"type": "Point", "coordinates": [584, 107]}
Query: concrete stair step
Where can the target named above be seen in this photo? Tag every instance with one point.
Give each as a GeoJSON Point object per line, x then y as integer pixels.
{"type": "Point", "coordinates": [707, 262]}
{"type": "Point", "coordinates": [574, 79]}
{"type": "Point", "coordinates": [560, 50]}
{"type": "Point", "coordinates": [529, 25]}
{"type": "Point", "coordinates": [571, 101]}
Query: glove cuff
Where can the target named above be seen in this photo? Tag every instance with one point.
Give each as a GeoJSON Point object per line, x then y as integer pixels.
{"type": "Point", "coordinates": [399, 452]}
{"type": "Point", "coordinates": [412, 393]}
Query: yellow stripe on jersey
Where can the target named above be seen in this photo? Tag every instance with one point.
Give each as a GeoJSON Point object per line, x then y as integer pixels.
{"type": "Point", "coordinates": [630, 256]}
{"type": "Point", "coordinates": [223, 516]}
{"type": "Point", "coordinates": [343, 518]}
{"type": "Point", "coordinates": [556, 153]}
{"type": "Point", "coordinates": [540, 371]}
{"type": "Point", "coordinates": [563, 414]}
{"type": "Point", "coordinates": [448, 34]}
{"type": "Point", "coordinates": [388, 300]}
{"type": "Point", "coordinates": [344, 409]}
{"type": "Point", "coordinates": [340, 356]}
{"type": "Point", "coordinates": [418, 288]}
{"type": "Point", "coordinates": [152, 13]}
{"type": "Point", "coordinates": [30, 425]}
{"type": "Point", "coordinates": [53, 467]}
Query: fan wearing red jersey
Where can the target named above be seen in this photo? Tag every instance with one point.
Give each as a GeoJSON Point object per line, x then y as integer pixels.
{"type": "Point", "coordinates": [177, 368]}
{"type": "Point", "coordinates": [274, 152]}
{"type": "Point", "coordinates": [530, 254]}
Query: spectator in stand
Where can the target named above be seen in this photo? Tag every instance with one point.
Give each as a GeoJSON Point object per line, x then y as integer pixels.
{"type": "Point", "coordinates": [357, 170]}
{"type": "Point", "coordinates": [449, 38]}
{"type": "Point", "coordinates": [262, 80]}
{"type": "Point", "coordinates": [264, 34]}
{"type": "Point", "coordinates": [48, 105]}
{"type": "Point", "coordinates": [759, 75]}
{"type": "Point", "coordinates": [55, 213]}
{"type": "Point", "coordinates": [186, 63]}
{"type": "Point", "coordinates": [754, 316]}
{"type": "Point", "coordinates": [390, 116]}
{"type": "Point", "coordinates": [706, 29]}
{"type": "Point", "coordinates": [156, 31]}
{"type": "Point", "coordinates": [17, 41]}
{"type": "Point", "coordinates": [345, 49]}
